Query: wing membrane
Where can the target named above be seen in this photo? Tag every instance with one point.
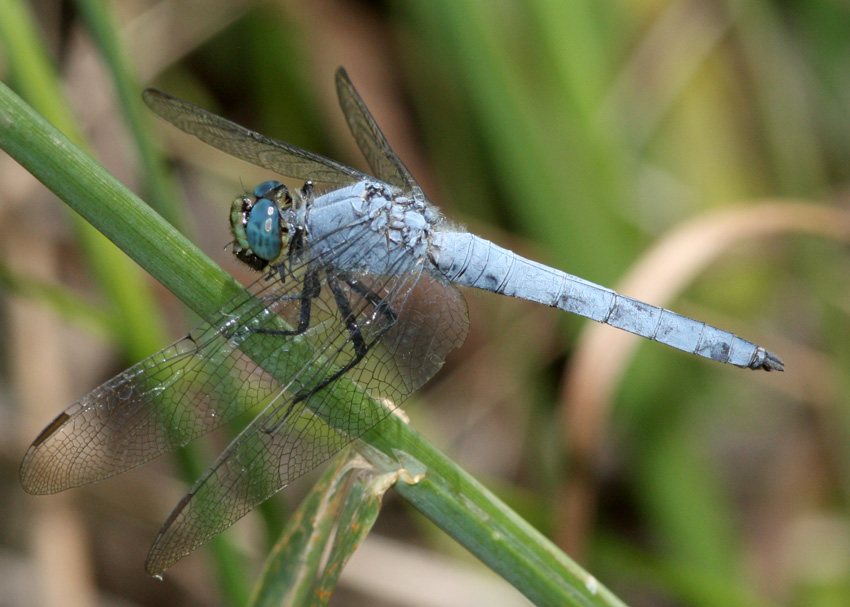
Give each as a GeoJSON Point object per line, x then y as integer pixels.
{"type": "Point", "coordinates": [182, 392]}
{"type": "Point", "coordinates": [163, 402]}
{"type": "Point", "coordinates": [386, 165]}
{"type": "Point", "coordinates": [238, 362]}
{"type": "Point", "coordinates": [303, 427]}
{"type": "Point", "coordinates": [250, 146]}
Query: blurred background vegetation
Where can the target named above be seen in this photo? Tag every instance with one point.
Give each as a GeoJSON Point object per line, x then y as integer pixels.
{"type": "Point", "coordinates": [692, 153]}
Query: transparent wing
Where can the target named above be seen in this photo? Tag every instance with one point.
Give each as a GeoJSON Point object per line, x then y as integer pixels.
{"type": "Point", "coordinates": [245, 144]}
{"type": "Point", "coordinates": [371, 141]}
{"type": "Point", "coordinates": [163, 402]}
{"type": "Point", "coordinates": [388, 333]}
{"type": "Point", "coordinates": [306, 425]}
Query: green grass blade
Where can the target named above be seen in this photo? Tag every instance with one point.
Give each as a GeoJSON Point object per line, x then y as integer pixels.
{"type": "Point", "coordinates": [160, 184]}
{"type": "Point", "coordinates": [134, 322]}
{"type": "Point", "coordinates": [292, 568]}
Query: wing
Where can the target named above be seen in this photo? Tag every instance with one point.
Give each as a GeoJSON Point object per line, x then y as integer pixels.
{"type": "Point", "coordinates": [407, 322]}
{"type": "Point", "coordinates": [371, 141]}
{"type": "Point", "coordinates": [250, 146]}
{"type": "Point", "coordinates": [163, 402]}
{"type": "Point", "coordinates": [304, 427]}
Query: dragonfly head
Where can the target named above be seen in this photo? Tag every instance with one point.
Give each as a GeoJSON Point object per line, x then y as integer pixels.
{"type": "Point", "coordinates": [260, 235]}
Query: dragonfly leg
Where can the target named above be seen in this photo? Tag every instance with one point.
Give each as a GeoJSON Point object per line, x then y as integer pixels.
{"type": "Point", "coordinates": [344, 306]}
{"type": "Point", "coordinates": [312, 289]}
{"type": "Point", "coordinates": [380, 303]}
{"type": "Point", "coordinates": [359, 344]}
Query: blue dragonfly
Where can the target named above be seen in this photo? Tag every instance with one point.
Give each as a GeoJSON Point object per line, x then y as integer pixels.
{"type": "Point", "coordinates": [360, 272]}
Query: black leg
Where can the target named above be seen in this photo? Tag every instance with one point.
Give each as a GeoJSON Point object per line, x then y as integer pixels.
{"type": "Point", "coordinates": [344, 307]}
{"type": "Point", "coordinates": [380, 303]}
{"type": "Point", "coordinates": [358, 342]}
{"type": "Point", "coordinates": [312, 289]}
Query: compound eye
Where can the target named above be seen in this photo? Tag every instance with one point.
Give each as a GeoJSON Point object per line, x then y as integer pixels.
{"type": "Point", "coordinates": [262, 230]}
{"type": "Point", "coordinates": [264, 188]}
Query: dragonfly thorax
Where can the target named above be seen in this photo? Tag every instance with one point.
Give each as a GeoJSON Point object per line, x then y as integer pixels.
{"type": "Point", "coordinates": [260, 233]}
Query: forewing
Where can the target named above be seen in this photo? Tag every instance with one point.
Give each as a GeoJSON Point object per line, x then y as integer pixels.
{"type": "Point", "coordinates": [409, 321]}
{"type": "Point", "coordinates": [245, 144]}
{"type": "Point", "coordinates": [384, 163]}
{"type": "Point", "coordinates": [235, 361]}
{"type": "Point", "coordinates": [167, 400]}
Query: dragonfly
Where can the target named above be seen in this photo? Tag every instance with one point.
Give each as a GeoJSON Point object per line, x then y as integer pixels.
{"type": "Point", "coordinates": [358, 302]}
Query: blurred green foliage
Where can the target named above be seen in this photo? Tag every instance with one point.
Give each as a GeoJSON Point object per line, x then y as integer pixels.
{"type": "Point", "coordinates": [581, 134]}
